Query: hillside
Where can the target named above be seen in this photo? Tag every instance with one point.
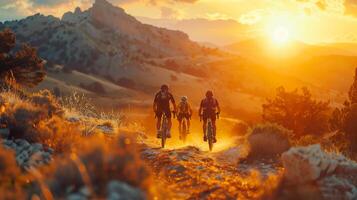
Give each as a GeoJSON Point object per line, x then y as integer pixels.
{"type": "Point", "coordinates": [99, 38]}
{"type": "Point", "coordinates": [120, 61]}
{"type": "Point", "coordinates": [320, 65]}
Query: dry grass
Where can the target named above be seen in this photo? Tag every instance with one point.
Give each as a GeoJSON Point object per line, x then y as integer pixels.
{"type": "Point", "coordinates": [11, 180]}
{"type": "Point", "coordinates": [268, 141]}
{"type": "Point", "coordinates": [82, 159]}
{"type": "Point", "coordinates": [94, 164]}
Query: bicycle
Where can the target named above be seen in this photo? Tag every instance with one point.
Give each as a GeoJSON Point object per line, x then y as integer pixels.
{"type": "Point", "coordinates": [164, 128]}
{"type": "Point", "coordinates": [210, 132]}
{"type": "Point", "coordinates": [183, 129]}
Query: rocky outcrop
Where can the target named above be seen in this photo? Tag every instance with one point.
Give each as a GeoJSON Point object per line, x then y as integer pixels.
{"type": "Point", "coordinates": [97, 38]}
{"type": "Point", "coordinates": [29, 155]}
{"type": "Point", "coordinates": [334, 174]}
{"type": "Point", "coordinates": [75, 17]}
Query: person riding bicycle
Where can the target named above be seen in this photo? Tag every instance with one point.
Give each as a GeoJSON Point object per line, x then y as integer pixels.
{"type": "Point", "coordinates": [184, 111]}
{"type": "Point", "coordinates": [162, 105]}
{"type": "Point", "coordinates": [209, 109]}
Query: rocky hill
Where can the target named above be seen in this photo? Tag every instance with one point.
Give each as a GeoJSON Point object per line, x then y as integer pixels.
{"type": "Point", "coordinates": [99, 38]}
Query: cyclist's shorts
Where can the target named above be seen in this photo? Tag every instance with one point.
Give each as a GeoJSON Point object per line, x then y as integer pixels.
{"type": "Point", "coordinates": [180, 116]}
{"type": "Point", "coordinates": [209, 115]}
{"type": "Point", "coordinates": [159, 113]}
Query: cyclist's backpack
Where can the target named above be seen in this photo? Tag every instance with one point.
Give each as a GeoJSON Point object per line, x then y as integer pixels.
{"type": "Point", "coordinates": [210, 105]}
{"type": "Point", "coordinates": [183, 108]}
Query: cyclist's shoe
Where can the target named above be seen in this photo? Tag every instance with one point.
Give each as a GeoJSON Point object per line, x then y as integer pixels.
{"type": "Point", "coordinates": [168, 134]}
{"type": "Point", "coordinates": [158, 135]}
{"type": "Point", "coordinates": [214, 140]}
{"type": "Point", "coordinates": [205, 138]}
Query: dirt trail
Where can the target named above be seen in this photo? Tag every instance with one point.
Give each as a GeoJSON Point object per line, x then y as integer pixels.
{"type": "Point", "coordinates": [191, 173]}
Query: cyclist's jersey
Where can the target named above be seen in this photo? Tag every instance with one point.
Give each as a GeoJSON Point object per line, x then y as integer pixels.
{"type": "Point", "coordinates": [209, 105]}
{"type": "Point", "coordinates": [162, 100]}
{"type": "Point", "coordinates": [184, 108]}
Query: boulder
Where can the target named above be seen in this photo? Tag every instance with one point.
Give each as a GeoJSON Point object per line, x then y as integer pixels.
{"type": "Point", "coordinates": [118, 190]}
{"type": "Point", "coordinates": [333, 187]}
{"type": "Point", "coordinates": [29, 155]}
{"type": "Point", "coordinates": [4, 133]}
{"type": "Point", "coordinates": [304, 164]}
{"type": "Point", "coordinates": [333, 174]}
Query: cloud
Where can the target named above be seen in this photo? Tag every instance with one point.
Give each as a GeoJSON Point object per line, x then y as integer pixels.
{"type": "Point", "coordinates": [170, 13]}
{"type": "Point", "coordinates": [48, 3]}
{"type": "Point", "coordinates": [252, 17]}
{"type": "Point", "coordinates": [217, 16]}
{"type": "Point", "coordinates": [54, 3]}
{"type": "Point", "coordinates": [329, 6]}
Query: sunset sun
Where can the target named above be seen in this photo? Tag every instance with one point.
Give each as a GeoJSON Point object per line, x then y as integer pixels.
{"type": "Point", "coordinates": [280, 35]}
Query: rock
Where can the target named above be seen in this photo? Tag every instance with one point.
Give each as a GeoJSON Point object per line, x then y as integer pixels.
{"type": "Point", "coordinates": [334, 174]}
{"type": "Point", "coordinates": [37, 147]}
{"type": "Point", "coordinates": [105, 129]}
{"type": "Point", "coordinates": [4, 133]}
{"type": "Point", "coordinates": [304, 164]}
{"type": "Point", "coordinates": [76, 196]}
{"type": "Point", "coordinates": [118, 190]}
{"type": "Point", "coordinates": [73, 119]}
{"type": "Point", "coordinates": [50, 150]}
{"type": "Point", "coordinates": [28, 155]}
{"type": "Point", "coordinates": [177, 168]}
{"type": "Point", "coordinates": [333, 187]}
{"type": "Point", "coordinates": [85, 191]}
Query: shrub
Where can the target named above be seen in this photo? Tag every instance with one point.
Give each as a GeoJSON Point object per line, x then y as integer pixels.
{"type": "Point", "coordinates": [297, 112]}
{"type": "Point", "coordinates": [46, 100]}
{"type": "Point", "coordinates": [268, 141]}
{"type": "Point", "coordinates": [344, 119]}
{"type": "Point", "coordinates": [79, 103]}
{"type": "Point", "coordinates": [95, 164]}
{"type": "Point", "coordinates": [39, 119]}
{"type": "Point", "coordinates": [24, 65]}
{"type": "Point", "coordinates": [22, 120]}
{"type": "Point", "coordinates": [10, 176]}
{"type": "Point", "coordinates": [57, 133]}
{"type": "Point", "coordinates": [350, 126]}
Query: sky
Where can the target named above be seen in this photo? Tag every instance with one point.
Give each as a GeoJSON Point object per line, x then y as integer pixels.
{"type": "Point", "coordinates": [310, 21]}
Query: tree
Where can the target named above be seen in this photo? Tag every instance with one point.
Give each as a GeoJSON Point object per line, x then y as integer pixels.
{"type": "Point", "coordinates": [353, 90]}
{"type": "Point", "coordinates": [344, 119]}
{"type": "Point", "coordinates": [24, 65]}
{"type": "Point", "coordinates": [297, 112]}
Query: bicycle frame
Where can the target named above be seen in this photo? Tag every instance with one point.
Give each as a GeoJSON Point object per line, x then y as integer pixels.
{"type": "Point", "coordinates": [163, 129]}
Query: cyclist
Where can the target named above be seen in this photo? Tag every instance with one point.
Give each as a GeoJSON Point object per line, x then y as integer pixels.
{"type": "Point", "coordinates": [209, 109]}
{"type": "Point", "coordinates": [184, 111]}
{"type": "Point", "coordinates": [162, 105]}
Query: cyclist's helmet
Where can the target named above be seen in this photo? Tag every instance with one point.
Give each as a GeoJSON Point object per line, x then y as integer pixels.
{"type": "Point", "coordinates": [209, 93]}
{"type": "Point", "coordinates": [164, 87]}
{"type": "Point", "coordinates": [184, 98]}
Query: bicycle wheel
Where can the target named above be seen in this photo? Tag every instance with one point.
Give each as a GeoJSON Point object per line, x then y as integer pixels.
{"type": "Point", "coordinates": [164, 128]}
{"type": "Point", "coordinates": [184, 130]}
{"type": "Point", "coordinates": [210, 135]}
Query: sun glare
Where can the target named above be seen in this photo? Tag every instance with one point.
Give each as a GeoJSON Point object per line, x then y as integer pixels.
{"type": "Point", "coordinates": [281, 35]}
